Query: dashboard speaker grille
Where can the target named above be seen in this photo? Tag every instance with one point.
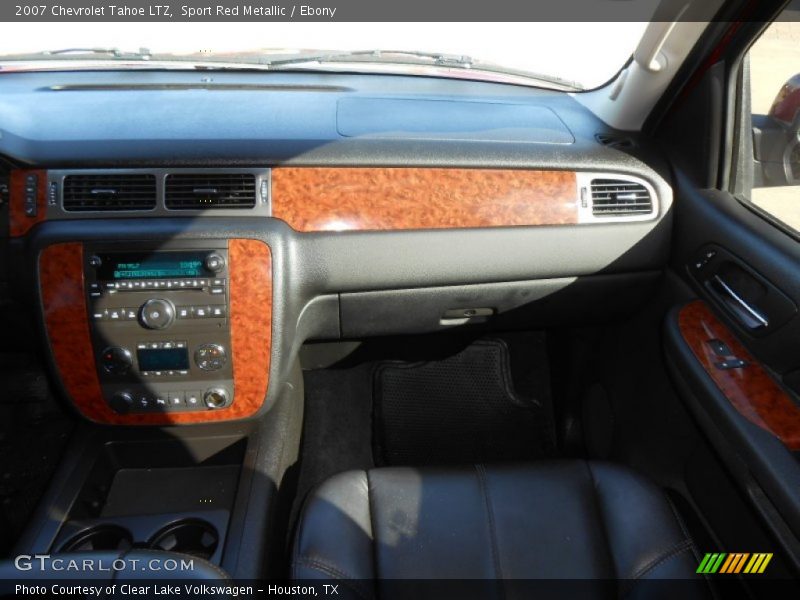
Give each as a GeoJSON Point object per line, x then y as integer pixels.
{"type": "Point", "coordinates": [617, 197]}
{"type": "Point", "coordinates": [111, 192]}
{"type": "Point", "coordinates": [200, 191]}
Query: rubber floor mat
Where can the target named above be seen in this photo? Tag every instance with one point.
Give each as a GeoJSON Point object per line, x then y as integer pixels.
{"type": "Point", "coordinates": [462, 409]}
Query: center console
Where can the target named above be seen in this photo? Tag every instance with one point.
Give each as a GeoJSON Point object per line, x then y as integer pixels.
{"type": "Point", "coordinates": [160, 326]}
{"type": "Point", "coordinates": [160, 333]}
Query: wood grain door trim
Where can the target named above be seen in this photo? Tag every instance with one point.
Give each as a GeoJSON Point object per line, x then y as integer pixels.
{"type": "Point", "coordinates": [751, 389]}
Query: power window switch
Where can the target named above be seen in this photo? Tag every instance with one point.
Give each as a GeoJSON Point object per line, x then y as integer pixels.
{"type": "Point", "coordinates": [719, 347]}
{"type": "Point", "coordinates": [731, 363]}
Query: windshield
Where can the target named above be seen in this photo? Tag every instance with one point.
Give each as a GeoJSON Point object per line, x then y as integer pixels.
{"type": "Point", "coordinates": [571, 56]}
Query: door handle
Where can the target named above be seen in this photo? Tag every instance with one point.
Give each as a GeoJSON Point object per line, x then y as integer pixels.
{"type": "Point", "coordinates": [748, 316]}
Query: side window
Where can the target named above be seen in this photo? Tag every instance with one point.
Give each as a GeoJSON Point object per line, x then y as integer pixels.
{"type": "Point", "coordinates": [775, 105]}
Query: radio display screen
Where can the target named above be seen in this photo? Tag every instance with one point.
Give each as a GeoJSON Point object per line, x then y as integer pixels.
{"type": "Point", "coordinates": [163, 359]}
{"type": "Point", "coordinates": [159, 265]}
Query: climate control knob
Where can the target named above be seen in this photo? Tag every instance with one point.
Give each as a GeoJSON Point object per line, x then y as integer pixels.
{"type": "Point", "coordinates": [157, 313]}
{"type": "Point", "coordinates": [210, 357]}
{"type": "Point", "coordinates": [116, 360]}
{"type": "Point", "coordinates": [121, 402]}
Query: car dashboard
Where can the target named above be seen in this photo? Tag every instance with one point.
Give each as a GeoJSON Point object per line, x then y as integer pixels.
{"type": "Point", "coordinates": [293, 182]}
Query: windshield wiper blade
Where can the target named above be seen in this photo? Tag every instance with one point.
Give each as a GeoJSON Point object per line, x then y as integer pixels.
{"type": "Point", "coordinates": [438, 59]}
{"type": "Point", "coordinates": [143, 53]}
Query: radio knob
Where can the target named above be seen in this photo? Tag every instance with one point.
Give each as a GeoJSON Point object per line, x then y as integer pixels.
{"type": "Point", "coordinates": [116, 360]}
{"type": "Point", "coordinates": [121, 402]}
{"type": "Point", "coordinates": [216, 398]}
{"type": "Point", "coordinates": [157, 313]}
{"type": "Point", "coordinates": [214, 262]}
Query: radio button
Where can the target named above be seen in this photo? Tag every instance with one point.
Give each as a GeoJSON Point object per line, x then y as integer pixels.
{"type": "Point", "coordinates": [176, 399]}
{"type": "Point", "coordinates": [200, 312]}
{"type": "Point", "coordinates": [193, 399]}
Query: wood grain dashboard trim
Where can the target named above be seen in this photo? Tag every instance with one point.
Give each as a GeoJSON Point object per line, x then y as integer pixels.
{"type": "Point", "coordinates": [751, 389]}
{"type": "Point", "coordinates": [363, 199]}
{"type": "Point", "coordinates": [67, 324]}
{"type": "Point", "coordinates": [19, 222]}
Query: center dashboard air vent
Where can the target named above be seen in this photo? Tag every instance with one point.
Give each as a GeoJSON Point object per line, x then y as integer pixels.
{"type": "Point", "coordinates": [109, 192]}
{"type": "Point", "coordinates": [619, 198]}
{"type": "Point", "coordinates": [202, 191]}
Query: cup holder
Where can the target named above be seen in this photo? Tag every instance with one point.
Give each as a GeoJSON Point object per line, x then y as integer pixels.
{"type": "Point", "coordinates": [102, 537]}
{"type": "Point", "coordinates": [189, 536]}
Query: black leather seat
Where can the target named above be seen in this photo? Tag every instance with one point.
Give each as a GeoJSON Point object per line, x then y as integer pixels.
{"type": "Point", "coordinates": [554, 520]}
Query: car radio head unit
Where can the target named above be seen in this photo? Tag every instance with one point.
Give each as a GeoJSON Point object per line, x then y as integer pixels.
{"type": "Point", "coordinates": [160, 326]}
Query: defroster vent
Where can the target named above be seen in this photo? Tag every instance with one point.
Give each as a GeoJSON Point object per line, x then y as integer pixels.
{"type": "Point", "coordinates": [110, 192]}
{"type": "Point", "coordinates": [201, 191]}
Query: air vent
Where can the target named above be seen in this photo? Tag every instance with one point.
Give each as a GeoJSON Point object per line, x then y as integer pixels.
{"type": "Point", "coordinates": [611, 140]}
{"type": "Point", "coordinates": [617, 197]}
{"type": "Point", "coordinates": [109, 192]}
{"type": "Point", "coordinates": [199, 191]}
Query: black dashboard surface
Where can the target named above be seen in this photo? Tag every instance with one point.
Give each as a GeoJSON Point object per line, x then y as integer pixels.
{"type": "Point", "coordinates": [88, 118]}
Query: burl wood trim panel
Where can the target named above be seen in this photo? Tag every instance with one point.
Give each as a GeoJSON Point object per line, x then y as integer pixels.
{"type": "Point", "coordinates": [67, 323]}
{"type": "Point", "coordinates": [250, 271]}
{"type": "Point", "coordinates": [751, 389]}
{"type": "Point", "coordinates": [19, 222]}
{"type": "Point", "coordinates": [342, 199]}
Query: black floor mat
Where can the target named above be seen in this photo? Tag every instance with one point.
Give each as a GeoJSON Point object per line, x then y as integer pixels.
{"type": "Point", "coordinates": [466, 408]}
{"type": "Point", "coordinates": [33, 435]}
{"type": "Point", "coordinates": [337, 433]}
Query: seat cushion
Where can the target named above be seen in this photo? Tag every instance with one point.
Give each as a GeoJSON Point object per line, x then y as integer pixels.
{"type": "Point", "coordinates": [551, 519]}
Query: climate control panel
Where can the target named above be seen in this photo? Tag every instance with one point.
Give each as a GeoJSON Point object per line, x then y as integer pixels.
{"type": "Point", "coordinates": [160, 325]}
